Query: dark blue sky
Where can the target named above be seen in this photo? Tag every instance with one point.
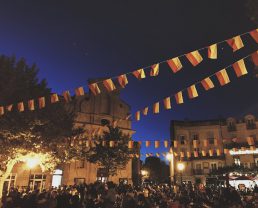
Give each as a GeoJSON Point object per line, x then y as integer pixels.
{"type": "Point", "coordinates": [72, 41]}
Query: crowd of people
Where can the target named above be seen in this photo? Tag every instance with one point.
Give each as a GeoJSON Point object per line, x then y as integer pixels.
{"type": "Point", "coordinates": [109, 195]}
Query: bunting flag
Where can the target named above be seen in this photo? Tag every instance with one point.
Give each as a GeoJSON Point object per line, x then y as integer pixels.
{"type": "Point", "coordinates": [175, 143]}
{"type": "Point", "coordinates": [203, 153]}
{"type": "Point", "coordinates": [31, 105]}
{"type": "Point", "coordinates": [42, 102]}
{"type": "Point", "coordinates": [179, 97]}
{"type": "Point", "coordinates": [147, 143]}
{"type": "Point", "coordinates": [175, 64]}
{"type": "Point", "coordinates": [109, 85]}
{"type": "Point", "coordinates": [240, 68]}
{"type": "Point", "coordinates": [154, 70]}
{"type": "Point", "coordinates": [156, 108]}
{"type": "Point", "coordinates": [94, 88]}
{"type": "Point", "coordinates": [67, 96]}
{"type": "Point", "coordinates": [145, 111]}
{"type": "Point", "coordinates": [79, 91]}
{"type": "Point", "coordinates": [157, 154]}
{"type": "Point", "coordinates": [182, 154]}
{"type": "Point", "coordinates": [255, 58]}
{"type": "Point", "coordinates": [130, 144]}
{"type": "Point", "coordinates": [254, 35]}
{"type": "Point", "coordinates": [137, 116]}
{"type": "Point", "coordinates": [222, 76]}
{"type": "Point", "coordinates": [122, 80]}
{"type": "Point", "coordinates": [139, 74]}
{"type": "Point", "coordinates": [192, 92]}
{"type": "Point", "coordinates": [1, 110]}
{"type": "Point", "coordinates": [194, 57]}
{"type": "Point", "coordinates": [196, 154]}
{"type": "Point", "coordinates": [211, 153]}
{"type": "Point", "coordinates": [156, 144]}
{"type": "Point", "coordinates": [9, 108]}
{"type": "Point", "coordinates": [166, 144]}
{"type": "Point", "coordinates": [218, 152]}
{"type": "Point", "coordinates": [207, 83]}
{"type": "Point", "coordinates": [167, 103]}
{"type": "Point", "coordinates": [236, 43]}
{"type": "Point", "coordinates": [54, 98]}
{"type": "Point", "coordinates": [195, 143]}
{"type": "Point", "coordinates": [212, 51]}
{"type": "Point", "coordinates": [250, 141]}
{"type": "Point", "coordinates": [226, 151]}
{"type": "Point", "coordinates": [20, 106]}
{"type": "Point", "coordinates": [188, 154]}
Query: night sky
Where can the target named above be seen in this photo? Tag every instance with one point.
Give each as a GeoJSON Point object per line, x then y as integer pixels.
{"type": "Point", "coordinates": [73, 41]}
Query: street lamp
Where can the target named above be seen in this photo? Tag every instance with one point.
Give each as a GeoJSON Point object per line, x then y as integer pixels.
{"type": "Point", "coordinates": [31, 163]}
{"type": "Point", "coordinates": [170, 158]}
{"type": "Point", "coordinates": [181, 167]}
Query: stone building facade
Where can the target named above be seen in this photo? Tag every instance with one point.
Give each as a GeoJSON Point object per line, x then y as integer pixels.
{"type": "Point", "coordinates": [200, 145]}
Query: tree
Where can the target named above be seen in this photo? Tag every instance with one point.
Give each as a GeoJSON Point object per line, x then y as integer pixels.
{"type": "Point", "coordinates": [110, 158]}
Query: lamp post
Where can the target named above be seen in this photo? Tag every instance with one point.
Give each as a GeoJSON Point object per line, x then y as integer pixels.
{"type": "Point", "coordinates": [170, 158]}
{"type": "Point", "coordinates": [181, 167]}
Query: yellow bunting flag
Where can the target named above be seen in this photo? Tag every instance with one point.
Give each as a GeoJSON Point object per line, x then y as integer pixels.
{"type": "Point", "coordinates": [42, 102]}
{"type": "Point", "coordinates": [250, 141]}
{"type": "Point", "coordinates": [218, 152]}
{"type": "Point", "coordinates": [179, 97]}
{"type": "Point", "coordinates": [166, 144]}
{"type": "Point", "coordinates": [255, 58]}
{"type": "Point", "coordinates": [175, 143]}
{"type": "Point", "coordinates": [222, 76]}
{"type": "Point", "coordinates": [196, 154]}
{"type": "Point", "coordinates": [240, 68]}
{"type": "Point", "coordinates": [207, 83]}
{"type": "Point", "coordinates": [254, 35]}
{"type": "Point", "coordinates": [194, 57]}
{"type": "Point", "coordinates": [147, 143]}
{"type": "Point", "coordinates": [195, 143]}
{"type": "Point", "coordinates": [211, 152]}
{"type": "Point", "coordinates": [226, 151]}
{"type": "Point", "coordinates": [111, 143]}
{"type": "Point", "coordinates": [130, 144]}
{"type": "Point", "coordinates": [122, 80]}
{"type": "Point", "coordinates": [203, 153]}
{"type": "Point", "coordinates": [79, 91]}
{"type": "Point", "coordinates": [205, 142]}
{"type": "Point", "coordinates": [182, 154]}
{"type": "Point", "coordinates": [67, 96]}
{"type": "Point", "coordinates": [109, 85]}
{"type": "Point", "coordinates": [188, 154]}
{"type": "Point", "coordinates": [175, 64]}
{"type": "Point", "coordinates": [167, 103]}
{"type": "Point", "coordinates": [212, 51]}
{"type": "Point", "coordinates": [139, 74]}
{"type": "Point", "coordinates": [156, 108]}
{"type": "Point", "coordinates": [9, 107]}
{"type": "Point", "coordinates": [138, 116]}
{"type": "Point", "coordinates": [1, 110]}
{"type": "Point", "coordinates": [20, 106]}
{"type": "Point", "coordinates": [156, 144]}
{"type": "Point", "coordinates": [94, 88]}
{"type": "Point", "coordinates": [154, 70]}
{"type": "Point", "coordinates": [145, 111]}
{"type": "Point", "coordinates": [31, 105]}
{"type": "Point", "coordinates": [54, 98]}
{"type": "Point", "coordinates": [192, 92]}
{"type": "Point", "coordinates": [236, 43]}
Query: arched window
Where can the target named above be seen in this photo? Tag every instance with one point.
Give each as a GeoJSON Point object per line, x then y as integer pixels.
{"type": "Point", "coordinates": [250, 122]}
{"type": "Point", "coordinates": [231, 124]}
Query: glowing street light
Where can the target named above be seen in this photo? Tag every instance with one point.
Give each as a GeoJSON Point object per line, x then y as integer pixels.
{"type": "Point", "coordinates": [32, 162]}
{"type": "Point", "coordinates": [181, 167]}
{"type": "Point", "coordinates": [144, 172]}
{"type": "Point", "coordinates": [170, 158]}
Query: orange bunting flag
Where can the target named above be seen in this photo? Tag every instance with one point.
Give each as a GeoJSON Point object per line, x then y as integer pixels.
{"type": "Point", "coordinates": [94, 88]}
{"type": "Point", "coordinates": [203, 153]}
{"type": "Point", "coordinates": [111, 143]}
{"type": "Point", "coordinates": [195, 143]}
{"type": "Point", "coordinates": [218, 152]}
{"type": "Point", "coordinates": [255, 58]}
{"type": "Point", "coordinates": [109, 85]}
{"type": "Point", "coordinates": [188, 154]}
{"type": "Point", "coordinates": [156, 144]}
{"type": "Point", "coordinates": [250, 141]}
{"type": "Point", "coordinates": [79, 91]}
{"type": "Point", "coordinates": [67, 96]}
{"type": "Point", "coordinates": [212, 51]}
{"type": "Point", "coordinates": [166, 144]}
{"type": "Point", "coordinates": [236, 43]}
{"type": "Point", "coordinates": [175, 64]}
{"type": "Point", "coordinates": [192, 92]}
{"type": "Point", "coordinates": [196, 154]}
{"type": "Point", "coordinates": [145, 111]}
{"type": "Point", "coordinates": [179, 97]}
{"type": "Point", "coordinates": [211, 152]}
{"type": "Point", "coordinates": [139, 74]}
{"type": "Point", "coordinates": [254, 35]}
{"type": "Point", "coordinates": [147, 143]}
{"type": "Point", "coordinates": [182, 154]}
{"type": "Point", "coordinates": [226, 151]}
{"type": "Point", "coordinates": [42, 102]}
{"type": "Point", "coordinates": [122, 80]}
{"type": "Point", "coordinates": [240, 68]}
{"type": "Point", "coordinates": [156, 108]}
{"type": "Point", "coordinates": [154, 70]}
{"type": "Point", "coordinates": [207, 83]}
{"type": "Point", "coordinates": [1, 110]}
{"type": "Point", "coordinates": [175, 143]}
{"type": "Point", "coordinates": [205, 142]}
{"type": "Point", "coordinates": [130, 144]}
{"type": "Point", "coordinates": [20, 106]}
{"type": "Point", "coordinates": [137, 116]}
{"type": "Point", "coordinates": [54, 98]}
{"type": "Point", "coordinates": [222, 76]}
{"type": "Point", "coordinates": [9, 107]}
{"type": "Point", "coordinates": [194, 57]}
{"type": "Point", "coordinates": [31, 105]}
{"type": "Point", "coordinates": [167, 103]}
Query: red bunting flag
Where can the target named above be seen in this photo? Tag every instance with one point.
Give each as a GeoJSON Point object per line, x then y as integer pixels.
{"type": "Point", "coordinates": [156, 108]}
{"type": "Point", "coordinates": [222, 76]}
{"type": "Point", "coordinates": [167, 103]}
{"type": "Point", "coordinates": [236, 43]}
{"type": "Point", "coordinates": [139, 74]}
{"type": "Point", "coordinates": [94, 88]}
{"type": "Point", "coordinates": [67, 96]}
{"type": "Point", "coordinates": [154, 70]}
{"type": "Point", "coordinates": [212, 51]}
{"type": "Point", "coordinates": [137, 115]}
{"type": "Point", "coordinates": [54, 98]}
{"type": "Point", "coordinates": [254, 35]}
{"type": "Point", "coordinates": [31, 105]}
{"type": "Point", "coordinates": [42, 102]}
{"type": "Point", "coordinates": [9, 107]}
{"type": "Point", "coordinates": [122, 80]}
{"type": "Point", "coordinates": [20, 106]}
{"type": "Point", "coordinates": [207, 83]}
{"type": "Point", "coordinates": [194, 57]}
{"type": "Point", "coordinates": [79, 91]}
{"type": "Point", "coordinates": [166, 143]}
{"type": "Point", "coordinates": [1, 110]}
{"type": "Point", "coordinates": [109, 85]}
{"type": "Point", "coordinates": [179, 98]}
{"type": "Point", "coordinates": [175, 64]}
{"type": "Point", "coordinates": [145, 111]}
{"type": "Point", "coordinates": [240, 68]}
{"type": "Point", "coordinates": [192, 92]}
{"type": "Point", "coordinates": [147, 143]}
{"type": "Point", "coordinates": [255, 58]}
{"type": "Point", "coordinates": [196, 154]}
{"type": "Point", "coordinates": [156, 144]}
